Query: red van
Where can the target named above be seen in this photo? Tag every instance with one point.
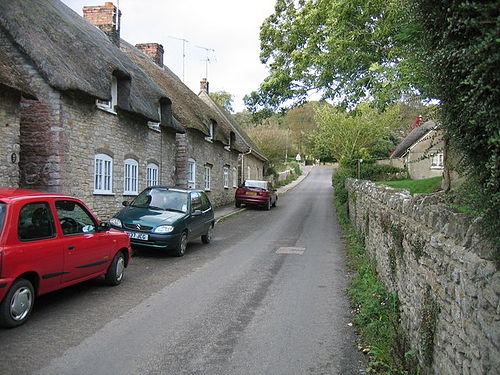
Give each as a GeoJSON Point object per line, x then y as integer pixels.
{"type": "Point", "coordinates": [48, 242]}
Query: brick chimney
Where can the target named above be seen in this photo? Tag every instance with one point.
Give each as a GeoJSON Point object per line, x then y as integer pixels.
{"type": "Point", "coordinates": [153, 50]}
{"type": "Point", "coordinates": [204, 85]}
{"type": "Point", "coordinates": [107, 18]}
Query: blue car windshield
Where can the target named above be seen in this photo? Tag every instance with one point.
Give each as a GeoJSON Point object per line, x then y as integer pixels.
{"type": "Point", "coordinates": [162, 199]}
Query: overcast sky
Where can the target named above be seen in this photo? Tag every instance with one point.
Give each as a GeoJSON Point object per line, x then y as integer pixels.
{"type": "Point", "coordinates": [230, 27]}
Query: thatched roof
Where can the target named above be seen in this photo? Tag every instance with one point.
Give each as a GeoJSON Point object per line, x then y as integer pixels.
{"type": "Point", "coordinates": [243, 141]}
{"type": "Point", "coordinates": [11, 76]}
{"type": "Point", "coordinates": [73, 55]}
{"type": "Point", "coordinates": [413, 137]}
{"type": "Point", "coordinates": [187, 107]}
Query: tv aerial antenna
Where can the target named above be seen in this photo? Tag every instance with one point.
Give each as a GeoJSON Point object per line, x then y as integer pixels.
{"type": "Point", "coordinates": [207, 59]}
{"type": "Point", "coordinates": [184, 41]}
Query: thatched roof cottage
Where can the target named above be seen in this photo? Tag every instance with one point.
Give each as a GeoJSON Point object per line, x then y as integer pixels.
{"type": "Point", "coordinates": [100, 128]}
{"type": "Point", "coordinates": [251, 162]}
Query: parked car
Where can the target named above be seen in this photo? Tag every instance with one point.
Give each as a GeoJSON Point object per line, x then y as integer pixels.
{"type": "Point", "coordinates": [256, 193]}
{"type": "Point", "coordinates": [167, 218]}
{"type": "Point", "coordinates": [48, 242]}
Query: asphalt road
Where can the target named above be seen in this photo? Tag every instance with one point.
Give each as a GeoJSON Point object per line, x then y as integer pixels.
{"type": "Point", "coordinates": [267, 296]}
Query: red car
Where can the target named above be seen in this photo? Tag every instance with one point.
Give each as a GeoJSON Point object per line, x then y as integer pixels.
{"type": "Point", "coordinates": [48, 242]}
{"type": "Point", "coordinates": [256, 193]}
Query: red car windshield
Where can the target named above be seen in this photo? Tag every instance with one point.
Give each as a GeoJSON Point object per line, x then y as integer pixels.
{"type": "Point", "coordinates": [255, 183]}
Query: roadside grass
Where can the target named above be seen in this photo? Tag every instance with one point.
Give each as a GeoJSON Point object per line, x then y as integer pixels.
{"type": "Point", "coordinates": [427, 185]}
{"type": "Point", "coordinates": [376, 310]}
{"type": "Point", "coordinates": [231, 215]}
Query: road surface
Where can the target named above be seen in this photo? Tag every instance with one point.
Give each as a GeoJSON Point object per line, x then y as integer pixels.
{"type": "Point", "coordinates": [267, 296]}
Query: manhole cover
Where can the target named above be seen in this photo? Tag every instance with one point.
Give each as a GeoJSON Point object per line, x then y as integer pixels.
{"type": "Point", "coordinates": [291, 250]}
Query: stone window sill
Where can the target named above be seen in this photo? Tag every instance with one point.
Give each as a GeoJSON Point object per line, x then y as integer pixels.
{"type": "Point", "coordinates": [104, 194]}
{"type": "Point", "coordinates": [106, 109]}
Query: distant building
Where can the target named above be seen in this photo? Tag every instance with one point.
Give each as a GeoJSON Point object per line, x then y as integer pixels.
{"type": "Point", "coordinates": [421, 152]}
{"type": "Point", "coordinates": [251, 163]}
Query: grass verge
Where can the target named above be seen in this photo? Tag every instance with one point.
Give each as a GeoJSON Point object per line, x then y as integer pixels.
{"type": "Point", "coordinates": [426, 185]}
{"type": "Point", "coordinates": [376, 309]}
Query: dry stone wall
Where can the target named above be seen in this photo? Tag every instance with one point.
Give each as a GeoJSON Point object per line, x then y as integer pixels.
{"type": "Point", "coordinates": [443, 270]}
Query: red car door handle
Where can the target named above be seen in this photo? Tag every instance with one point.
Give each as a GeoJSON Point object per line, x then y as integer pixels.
{"type": "Point", "coordinates": [71, 247]}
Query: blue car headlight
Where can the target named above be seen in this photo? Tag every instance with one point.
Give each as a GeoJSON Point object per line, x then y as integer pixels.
{"type": "Point", "coordinates": [164, 229]}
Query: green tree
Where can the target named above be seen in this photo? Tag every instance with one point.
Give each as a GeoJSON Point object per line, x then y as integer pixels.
{"type": "Point", "coordinates": [300, 121]}
{"type": "Point", "coordinates": [224, 99]}
{"type": "Point", "coordinates": [244, 118]}
{"type": "Point", "coordinates": [389, 50]}
{"type": "Point", "coordinates": [342, 135]}
{"type": "Point", "coordinates": [273, 141]}
{"type": "Point", "coordinates": [462, 60]}
{"type": "Point", "coordinates": [346, 49]}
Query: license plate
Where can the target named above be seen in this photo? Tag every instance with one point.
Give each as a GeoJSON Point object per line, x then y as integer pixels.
{"type": "Point", "coordinates": [251, 193]}
{"type": "Point", "coordinates": [138, 236]}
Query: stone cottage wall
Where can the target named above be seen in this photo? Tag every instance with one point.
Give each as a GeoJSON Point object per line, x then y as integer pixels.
{"type": "Point", "coordinates": [443, 271]}
{"type": "Point", "coordinates": [419, 159]}
{"type": "Point", "coordinates": [9, 135]}
{"type": "Point", "coordinates": [213, 154]}
{"type": "Point", "coordinates": [90, 131]}
{"type": "Point", "coordinates": [256, 168]}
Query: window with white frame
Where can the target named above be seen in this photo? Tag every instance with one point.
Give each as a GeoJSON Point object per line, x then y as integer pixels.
{"type": "Point", "coordinates": [156, 125]}
{"type": "Point", "coordinates": [103, 174]}
{"type": "Point", "coordinates": [226, 177]}
{"type": "Point", "coordinates": [437, 161]}
{"type": "Point", "coordinates": [152, 174]}
{"type": "Point", "coordinates": [130, 177]}
{"type": "Point", "coordinates": [109, 105]}
{"type": "Point", "coordinates": [235, 177]}
{"type": "Point", "coordinates": [249, 173]}
{"type": "Point", "coordinates": [208, 171]}
{"type": "Point", "coordinates": [191, 173]}
{"type": "Point", "coordinates": [211, 131]}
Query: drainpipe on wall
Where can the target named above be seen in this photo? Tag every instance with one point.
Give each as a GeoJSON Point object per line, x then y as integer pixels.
{"type": "Point", "coordinates": [243, 165]}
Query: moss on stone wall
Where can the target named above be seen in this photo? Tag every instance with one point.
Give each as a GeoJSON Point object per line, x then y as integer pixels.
{"type": "Point", "coordinates": [429, 318]}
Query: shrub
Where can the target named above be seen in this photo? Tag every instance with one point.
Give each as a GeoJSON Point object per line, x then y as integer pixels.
{"type": "Point", "coordinates": [376, 172]}
{"type": "Point", "coordinates": [296, 168]}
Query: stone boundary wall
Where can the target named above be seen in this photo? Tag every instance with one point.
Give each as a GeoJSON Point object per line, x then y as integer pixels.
{"type": "Point", "coordinates": [443, 271]}
{"type": "Point", "coordinates": [282, 176]}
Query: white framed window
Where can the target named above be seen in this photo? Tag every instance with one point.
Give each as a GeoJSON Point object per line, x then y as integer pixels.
{"type": "Point", "coordinates": [191, 173]}
{"type": "Point", "coordinates": [235, 177]}
{"type": "Point", "coordinates": [130, 177]}
{"type": "Point", "coordinates": [152, 174]}
{"type": "Point", "coordinates": [437, 161]}
{"type": "Point", "coordinates": [208, 172]}
{"type": "Point", "coordinates": [109, 105]}
{"type": "Point", "coordinates": [226, 177]}
{"type": "Point", "coordinates": [211, 132]}
{"type": "Point", "coordinates": [156, 125]}
{"type": "Point", "coordinates": [103, 174]}
{"type": "Point", "coordinates": [249, 173]}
